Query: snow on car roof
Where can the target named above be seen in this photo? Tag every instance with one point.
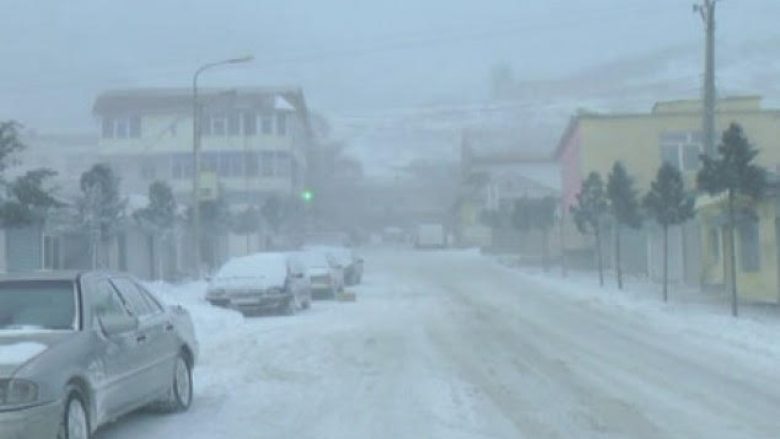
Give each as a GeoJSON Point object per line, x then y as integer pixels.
{"type": "Point", "coordinates": [313, 258]}
{"type": "Point", "coordinates": [341, 254]}
{"type": "Point", "coordinates": [258, 264]}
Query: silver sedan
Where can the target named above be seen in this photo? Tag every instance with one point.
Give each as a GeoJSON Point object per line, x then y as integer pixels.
{"type": "Point", "coordinates": [79, 350]}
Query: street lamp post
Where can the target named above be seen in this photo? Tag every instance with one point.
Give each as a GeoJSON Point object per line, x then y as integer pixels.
{"type": "Point", "coordinates": [196, 153]}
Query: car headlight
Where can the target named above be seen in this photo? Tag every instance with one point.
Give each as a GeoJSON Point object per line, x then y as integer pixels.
{"type": "Point", "coordinates": [17, 392]}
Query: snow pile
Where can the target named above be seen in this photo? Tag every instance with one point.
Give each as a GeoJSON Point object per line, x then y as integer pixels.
{"type": "Point", "coordinates": [18, 353]}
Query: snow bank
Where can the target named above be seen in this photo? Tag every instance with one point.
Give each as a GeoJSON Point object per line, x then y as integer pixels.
{"type": "Point", "coordinates": [701, 318]}
{"type": "Point", "coordinates": [18, 353]}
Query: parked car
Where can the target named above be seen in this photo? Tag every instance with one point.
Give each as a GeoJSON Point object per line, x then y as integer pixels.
{"type": "Point", "coordinates": [78, 350]}
{"type": "Point", "coordinates": [261, 282]}
{"type": "Point", "coordinates": [346, 259]}
{"type": "Point", "coordinates": [325, 275]}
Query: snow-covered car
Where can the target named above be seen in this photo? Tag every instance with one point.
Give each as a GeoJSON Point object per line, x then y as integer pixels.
{"type": "Point", "coordinates": [325, 275]}
{"type": "Point", "coordinates": [261, 282]}
{"type": "Point", "coordinates": [79, 350]}
{"type": "Point", "coordinates": [344, 258]}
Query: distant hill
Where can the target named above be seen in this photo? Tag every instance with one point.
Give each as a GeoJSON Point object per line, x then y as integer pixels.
{"type": "Point", "coordinates": [533, 115]}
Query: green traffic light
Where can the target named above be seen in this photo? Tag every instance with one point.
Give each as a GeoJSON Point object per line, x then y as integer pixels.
{"type": "Point", "coordinates": [307, 196]}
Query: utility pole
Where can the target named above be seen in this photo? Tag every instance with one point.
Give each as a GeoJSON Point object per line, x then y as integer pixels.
{"type": "Point", "coordinates": [707, 11]}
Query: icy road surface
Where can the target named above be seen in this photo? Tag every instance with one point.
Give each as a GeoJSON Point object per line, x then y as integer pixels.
{"type": "Point", "coordinates": [452, 345]}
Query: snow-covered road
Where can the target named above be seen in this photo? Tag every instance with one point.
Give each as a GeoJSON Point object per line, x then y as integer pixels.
{"type": "Point", "coordinates": [452, 345]}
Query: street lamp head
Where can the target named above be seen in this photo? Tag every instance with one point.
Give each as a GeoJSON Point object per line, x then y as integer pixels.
{"type": "Point", "coordinates": [243, 59]}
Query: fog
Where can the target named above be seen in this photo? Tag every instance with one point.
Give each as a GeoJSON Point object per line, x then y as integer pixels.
{"type": "Point", "coordinates": [444, 219]}
{"type": "Point", "coordinates": [349, 56]}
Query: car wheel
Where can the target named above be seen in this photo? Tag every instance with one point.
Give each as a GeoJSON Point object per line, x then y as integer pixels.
{"type": "Point", "coordinates": [75, 421]}
{"type": "Point", "coordinates": [180, 394]}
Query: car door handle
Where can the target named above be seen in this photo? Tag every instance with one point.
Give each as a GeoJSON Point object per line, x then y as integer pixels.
{"type": "Point", "coordinates": [169, 327]}
{"type": "Point", "coordinates": [140, 338]}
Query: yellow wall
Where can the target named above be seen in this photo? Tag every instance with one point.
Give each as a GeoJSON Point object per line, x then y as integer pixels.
{"type": "Point", "coordinates": [763, 285]}
{"type": "Point", "coordinates": [635, 140]}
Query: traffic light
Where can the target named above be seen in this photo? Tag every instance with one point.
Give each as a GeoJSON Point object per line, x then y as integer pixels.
{"type": "Point", "coordinates": [307, 196]}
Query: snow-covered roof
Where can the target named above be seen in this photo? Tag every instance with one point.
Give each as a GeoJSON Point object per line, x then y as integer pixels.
{"type": "Point", "coordinates": [282, 104]}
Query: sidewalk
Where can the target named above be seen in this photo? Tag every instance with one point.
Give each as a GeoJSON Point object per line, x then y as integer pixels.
{"type": "Point", "coordinates": [692, 313]}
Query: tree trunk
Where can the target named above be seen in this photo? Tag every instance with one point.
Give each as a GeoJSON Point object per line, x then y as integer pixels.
{"type": "Point", "coordinates": [600, 257]}
{"type": "Point", "coordinates": [666, 263]}
{"type": "Point", "coordinates": [733, 262]}
{"type": "Point", "coordinates": [562, 239]}
{"type": "Point", "coordinates": [618, 268]}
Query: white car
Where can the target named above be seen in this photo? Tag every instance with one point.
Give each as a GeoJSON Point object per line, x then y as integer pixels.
{"type": "Point", "coordinates": [260, 282]}
{"type": "Point", "coordinates": [326, 276]}
{"type": "Point", "coordinates": [344, 258]}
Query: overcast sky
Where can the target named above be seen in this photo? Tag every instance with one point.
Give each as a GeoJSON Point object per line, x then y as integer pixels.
{"type": "Point", "coordinates": [348, 55]}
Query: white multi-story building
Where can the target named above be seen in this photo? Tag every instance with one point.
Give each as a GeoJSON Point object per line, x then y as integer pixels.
{"type": "Point", "coordinates": [254, 140]}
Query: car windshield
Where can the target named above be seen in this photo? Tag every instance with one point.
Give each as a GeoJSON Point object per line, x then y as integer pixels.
{"type": "Point", "coordinates": [37, 305]}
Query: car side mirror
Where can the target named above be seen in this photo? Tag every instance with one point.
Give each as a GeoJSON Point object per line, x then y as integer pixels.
{"type": "Point", "coordinates": [115, 325]}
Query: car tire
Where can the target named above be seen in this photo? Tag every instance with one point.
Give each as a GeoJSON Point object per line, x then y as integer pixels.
{"type": "Point", "coordinates": [291, 307]}
{"type": "Point", "coordinates": [180, 393]}
{"type": "Point", "coordinates": [75, 418]}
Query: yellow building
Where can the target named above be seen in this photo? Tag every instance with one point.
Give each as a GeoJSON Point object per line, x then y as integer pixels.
{"type": "Point", "coordinates": [253, 139]}
{"type": "Point", "coordinates": [671, 132]}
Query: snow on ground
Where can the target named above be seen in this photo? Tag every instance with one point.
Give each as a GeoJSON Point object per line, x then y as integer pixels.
{"type": "Point", "coordinates": [452, 344]}
{"type": "Point", "coordinates": [705, 317]}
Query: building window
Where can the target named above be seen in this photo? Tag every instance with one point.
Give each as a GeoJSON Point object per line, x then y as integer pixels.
{"type": "Point", "coordinates": [267, 123]}
{"type": "Point", "coordinates": [135, 127]}
{"type": "Point", "coordinates": [236, 164]}
{"type": "Point", "coordinates": [182, 166]}
{"type": "Point", "coordinates": [749, 246]}
{"type": "Point", "coordinates": [682, 149]}
{"type": "Point", "coordinates": [209, 162]}
{"type": "Point", "coordinates": [281, 124]}
{"type": "Point", "coordinates": [250, 124]}
{"type": "Point", "coordinates": [282, 166]}
{"type": "Point", "coordinates": [218, 125]}
{"type": "Point", "coordinates": [234, 124]}
{"type": "Point", "coordinates": [108, 127]}
{"type": "Point", "coordinates": [267, 164]}
{"type": "Point", "coordinates": [121, 127]}
{"type": "Point", "coordinates": [224, 165]}
{"type": "Point", "coordinates": [251, 164]}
